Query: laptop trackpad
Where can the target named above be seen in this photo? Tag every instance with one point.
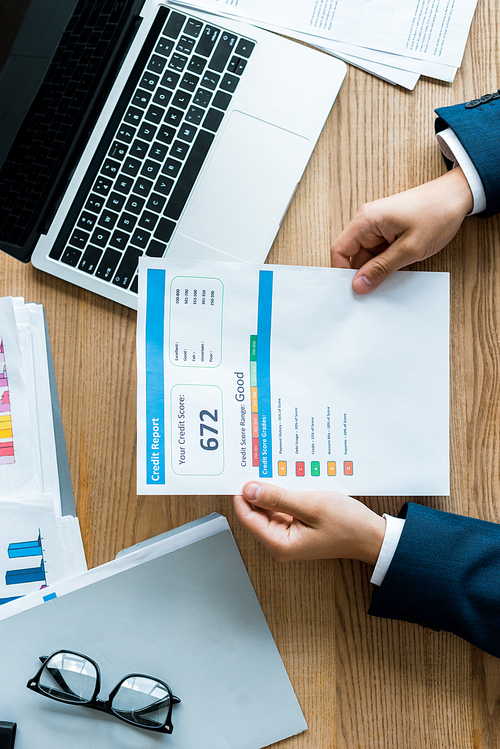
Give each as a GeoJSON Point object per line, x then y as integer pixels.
{"type": "Point", "coordinates": [247, 185]}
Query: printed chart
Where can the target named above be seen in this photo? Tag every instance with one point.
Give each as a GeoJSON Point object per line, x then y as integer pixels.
{"type": "Point", "coordinates": [283, 374]}
{"type": "Point", "coordinates": [7, 454]}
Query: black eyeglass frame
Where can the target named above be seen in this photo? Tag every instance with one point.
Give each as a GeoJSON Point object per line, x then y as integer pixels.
{"type": "Point", "coordinates": [104, 705]}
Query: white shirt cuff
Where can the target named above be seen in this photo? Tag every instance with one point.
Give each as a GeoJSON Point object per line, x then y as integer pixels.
{"type": "Point", "coordinates": [393, 529]}
{"type": "Point", "coordinates": [455, 152]}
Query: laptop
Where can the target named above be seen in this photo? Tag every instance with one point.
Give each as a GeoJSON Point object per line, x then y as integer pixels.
{"type": "Point", "coordinates": [131, 128]}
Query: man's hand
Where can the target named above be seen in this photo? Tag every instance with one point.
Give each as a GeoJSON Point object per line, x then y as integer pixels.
{"type": "Point", "coordinates": [309, 525]}
{"type": "Point", "coordinates": [389, 234]}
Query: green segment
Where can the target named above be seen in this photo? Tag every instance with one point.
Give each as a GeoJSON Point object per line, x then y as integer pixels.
{"type": "Point", "coordinates": [315, 468]}
{"type": "Point", "coordinates": [253, 348]}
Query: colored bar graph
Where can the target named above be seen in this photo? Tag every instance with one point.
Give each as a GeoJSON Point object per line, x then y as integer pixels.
{"type": "Point", "coordinates": [7, 453]}
{"type": "Point", "coordinates": [26, 548]}
{"type": "Point", "coordinates": [5, 426]}
{"type": "Point", "coordinates": [264, 316]}
{"type": "Point", "coordinates": [28, 575]}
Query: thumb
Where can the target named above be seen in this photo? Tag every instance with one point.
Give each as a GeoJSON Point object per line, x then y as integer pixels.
{"type": "Point", "coordinates": [300, 505]}
{"type": "Point", "coordinates": [380, 267]}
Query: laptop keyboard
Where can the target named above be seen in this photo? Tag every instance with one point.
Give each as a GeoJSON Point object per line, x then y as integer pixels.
{"type": "Point", "coordinates": [51, 125]}
{"type": "Point", "coordinates": [153, 149]}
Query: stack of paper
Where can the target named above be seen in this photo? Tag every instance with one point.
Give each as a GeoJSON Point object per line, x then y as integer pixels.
{"type": "Point", "coordinates": [40, 540]}
{"type": "Point", "coordinates": [397, 41]}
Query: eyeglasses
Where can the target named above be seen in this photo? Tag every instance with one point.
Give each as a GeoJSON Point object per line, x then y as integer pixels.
{"type": "Point", "coordinates": [74, 678]}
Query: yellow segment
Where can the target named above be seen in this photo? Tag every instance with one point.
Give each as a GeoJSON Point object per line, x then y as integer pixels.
{"type": "Point", "coordinates": [281, 467]}
{"type": "Point", "coordinates": [5, 433]}
{"type": "Point", "coordinates": [331, 468]}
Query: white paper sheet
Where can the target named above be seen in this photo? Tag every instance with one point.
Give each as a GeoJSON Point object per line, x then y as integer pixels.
{"type": "Point", "coordinates": [286, 375]}
{"type": "Point", "coordinates": [433, 30]}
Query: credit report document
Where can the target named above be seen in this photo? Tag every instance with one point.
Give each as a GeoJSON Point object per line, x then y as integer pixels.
{"type": "Point", "coordinates": [286, 375]}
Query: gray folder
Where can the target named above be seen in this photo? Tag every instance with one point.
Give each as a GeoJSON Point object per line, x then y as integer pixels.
{"type": "Point", "coordinates": [189, 617]}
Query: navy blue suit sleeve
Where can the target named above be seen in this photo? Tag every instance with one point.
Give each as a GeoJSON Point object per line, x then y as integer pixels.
{"type": "Point", "coordinates": [445, 574]}
{"type": "Point", "coordinates": [478, 129]}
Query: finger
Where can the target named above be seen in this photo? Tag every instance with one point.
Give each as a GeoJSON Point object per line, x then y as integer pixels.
{"type": "Point", "coordinates": [254, 521]}
{"type": "Point", "coordinates": [301, 505]}
{"type": "Point", "coordinates": [361, 233]}
{"type": "Point", "coordinates": [380, 267]}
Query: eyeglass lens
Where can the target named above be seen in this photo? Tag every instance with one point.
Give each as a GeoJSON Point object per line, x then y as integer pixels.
{"type": "Point", "coordinates": [143, 701]}
{"type": "Point", "coordinates": [69, 677]}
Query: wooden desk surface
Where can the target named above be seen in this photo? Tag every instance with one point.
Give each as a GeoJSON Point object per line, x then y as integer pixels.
{"type": "Point", "coordinates": [363, 683]}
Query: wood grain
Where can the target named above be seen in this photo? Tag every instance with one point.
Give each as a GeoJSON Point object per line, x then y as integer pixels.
{"type": "Point", "coordinates": [363, 683]}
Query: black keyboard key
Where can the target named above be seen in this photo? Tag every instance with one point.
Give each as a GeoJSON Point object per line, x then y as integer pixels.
{"type": "Point", "coordinates": [197, 65]}
{"type": "Point", "coordinates": [156, 248]}
{"type": "Point", "coordinates": [164, 185]}
{"type": "Point", "coordinates": [181, 99]}
{"type": "Point", "coordinates": [164, 47]}
{"type": "Point", "coordinates": [179, 149]}
{"type": "Point", "coordinates": [156, 64]}
{"type": "Point", "coordinates": [187, 132]}
{"type": "Point", "coordinates": [210, 80]}
{"type": "Point", "coordinates": [166, 134]}
{"type": "Point", "coordinates": [110, 168]}
{"type": "Point", "coordinates": [141, 98]}
{"type": "Point", "coordinates": [162, 97]}
{"type": "Point", "coordinates": [140, 238]}
{"type": "Point", "coordinates": [177, 62]}
{"type": "Point", "coordinates": [207, 41]}
{"type": "Point", "coordinates": [194, 115]}
{"type": "Point", "coordinates": [90, 259]}
{"type": "Point", "coordinates": [102, 185]}
{"type": "Point", "coordinates": [149, 81]}
{"type": "Point", "coordinates": [193, 27]}
{"type": "Point", "coordinates": [240, 67]}
{"type": "Point", "coordinates": [222, 100]}
{"type": "Point", "coordinates": [192, 166]}
{"type": "Point", "coordinates": [108, 219]}
{"type": "Point", "coordinates": [222, 52]}
{"type": "Point", "coordinates": [174, 25]}
{"type": "Point", "coordinates": [79, 239]}
{"type": "Point", "coordinates": [245, 48]}
{"type": "Point", "coordinates": [185, 45]}
{"type": "Point", "coordinates": [71, 256]}
{"type": "Point", "coordinates": [108, 264]}
{"type": "Point", "coordinates": [94, 203]}
{"type": "Point", "coordinates": [154, 114]}
{"type": "Point", "coordinates": [100, 237]}
{"type": "Point", "coordinates": [131, 167]}
{"type": "Point", "coordinates": [164, 230]}
{"type": "Point", "coordinates": [119, 239]}
{"type": "Point", "coordinates": [170, 80]}
{"type": "Point", "coordinates": [118, 151]}
{"type": "Point", "coordinates": [127, 222]}
{"type": "Point", "coordinates": [133, 116]}
{"type": "Point", "coordinates": [124, 184]}
{"type": "Point", "coordinates": [138, 149]}
{"type": "Point", "coordinates": [202, 97]}
{"type": "Point", "coordinates": [86, 221]}
{"type": "Point", "coordinates": [127, 268]}
{"type": "Point", "coordinates": [142, 187]}
{"type": "Point", "coordinates": [158, 151]}
{"type": "Point", "coordinates": [146, 131]}
{"type": "Point", "coordinates": [171, 168]}
{"type": "Point", "coordinates": [213, 119]}
{"type": "Point", "coordinates": [115, 201]}
{"type": "Point", "coordinates": [174, 116]}
{"type": "Point", "coordinates": [135, 204]}
{"type": "Point", "coordinates": [229, 82]}
{"type": "Point", "coordinates": [156, 202]}
{"type": "Point", "coordinates": [189, 82]}
{"type": "Point", "coordinates": [148, 221]}
{"type": "Point", "coordinates": [150, 169]}
{"type": "Point", "coordinates": [126, 133]}
{"type": "Point", "coordinates": [135, 285]}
